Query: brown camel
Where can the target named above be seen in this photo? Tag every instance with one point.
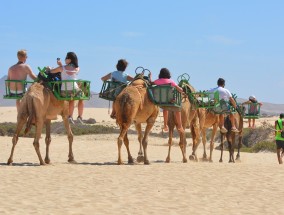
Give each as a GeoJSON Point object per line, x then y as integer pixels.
{"type": "Point", "coordinates": [39, 106]}
{"type": "Point", "coordinates": [231, 136]}
{"type": "Point", "coordinates": [208, 119]}
{"type": "Point", "coordinates": [190, 119]}
{"type": "Point", "coordinates": [134, 105]}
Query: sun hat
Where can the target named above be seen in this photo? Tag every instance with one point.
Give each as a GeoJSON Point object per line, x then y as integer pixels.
{"type": "Point", "coordinates": [252, 97]}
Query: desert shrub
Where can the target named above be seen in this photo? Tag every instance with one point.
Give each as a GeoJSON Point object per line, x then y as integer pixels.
{"type": "Point", "coordinates": [264, 146]}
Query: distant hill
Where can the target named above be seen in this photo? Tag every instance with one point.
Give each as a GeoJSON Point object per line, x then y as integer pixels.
{"type": "Point", "coordinates": [268, 109]}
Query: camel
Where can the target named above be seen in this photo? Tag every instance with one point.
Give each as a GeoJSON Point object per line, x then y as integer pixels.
{"type": "Point", "coordinates": [208, 119]}
{"type": "Point", "coordinates": [133, 105]}
{"type": "Point", "coordinates": [190, 119]}
{"type": "Point", "coordinates": [39, 106]}
{"type": "Point", "coordinates": [231, 136]}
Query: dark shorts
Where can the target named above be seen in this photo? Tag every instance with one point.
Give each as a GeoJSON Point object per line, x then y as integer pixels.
{"type": "Point", "coordinates": [280, 144]}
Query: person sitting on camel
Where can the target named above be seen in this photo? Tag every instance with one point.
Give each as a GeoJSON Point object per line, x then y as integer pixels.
{"type": "Point", "coordinates": [224, 94]}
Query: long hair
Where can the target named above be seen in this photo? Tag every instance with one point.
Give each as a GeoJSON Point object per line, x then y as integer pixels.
{"type": "Point", "coordinates": [73, 57]}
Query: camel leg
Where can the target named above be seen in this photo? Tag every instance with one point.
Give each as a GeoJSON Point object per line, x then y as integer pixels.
{"type": "Point", "coordinates": [123, 131]}
{"type": "Point", "coordinates": [70, 139]}
{"type": "Point", "coordinates": [182, 146]}
{"type": "Point", "coordinates": [140, 157]}
{"type": "Point", "coordinates": [222, 147]}
{"type": "Point", "coordinates": [170, 141]}
{"type": "Point", "coordinates": [47, 141]}
{"type": "Point", "coordinates": [150, 123]}
{"type": "Point", "coordinates": [195, 133]}
{"type": "Point", "coordinates": [214, 130]}
{"type": "Point", "coordinates": [204, 143]}
{"type": "Point", "coordinates": [231, 147]}
{"type": "Point", "coordinates": [39, 125]}
{"type": "Point", "coordinates": [126, 143]}
{"type": "Point", "coordinates": [238, 157]}
{"type": "Point", "coordinates": [20, 124]}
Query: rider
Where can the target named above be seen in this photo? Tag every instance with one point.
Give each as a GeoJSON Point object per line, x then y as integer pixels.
{"type": "Point", "coordinates": [118, 76]}
{"type": "Point", "coordinates": [253, 110]}
{"type": "Point", "coordinates": [225, 95]}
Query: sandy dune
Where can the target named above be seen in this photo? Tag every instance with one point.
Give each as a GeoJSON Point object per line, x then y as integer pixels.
{"type": "Point", "coordinates": [96, 185]}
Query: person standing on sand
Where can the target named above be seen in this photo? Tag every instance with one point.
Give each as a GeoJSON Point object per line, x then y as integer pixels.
{"type": "Point", "coordinates": [279, 140]}
{"type": "Point", "coordinates": [19, 71]}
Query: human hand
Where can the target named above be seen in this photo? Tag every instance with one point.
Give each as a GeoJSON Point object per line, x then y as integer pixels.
{"type": "Point", "coordinates": [59, 63]}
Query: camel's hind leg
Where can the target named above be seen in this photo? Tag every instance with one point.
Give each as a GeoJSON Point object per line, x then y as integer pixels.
{"type": "Point", "coordinates": [123, 131]}
{"type": "Point", "coordinates": [140, 157]}
{"type": "Point", "coordinates": [39, 125]}
{"type": "Point", "coordinates": [70, 139]}
{"type": "Point", "coordinates": [214, 130]}
{"type": "Point", "coordinates": [238, 157]}
{"type": "Point", "coordinates": [150, 123]}
{"type": "Point", "coordinates": [47, 141]}
{"type": "Point", "coordinates": [170, 141]}
{"type": "Point", "coordinates": [182, 145]}
{"type": "Point", "coordinates": [20, 124]}
{"type": "Point", "coordinates": [204, 140]}
{"type": "Point", "coordinates": [222, 147]}
{"type": "Point", "coordinates": [126, 143]}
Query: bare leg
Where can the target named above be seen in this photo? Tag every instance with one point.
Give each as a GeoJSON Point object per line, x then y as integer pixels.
{"type": "Point", "coordinates": [80, 108]}
{"type": "Point", "coordinates": [179, 122]}
{"type": "Point", "coordinates": [249, 121]}
{"type": "Point", "coordinates": [71, 108]}
{"type": "Point", "coordinates": [166, 117]}
{"type": "Point", "coordinates": [47, 141]}
{"type": "Point", "coordinates": [279, 156]}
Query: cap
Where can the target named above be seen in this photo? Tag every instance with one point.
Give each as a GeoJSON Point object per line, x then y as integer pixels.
{"type": "Point", "coordinates": [252, 97]}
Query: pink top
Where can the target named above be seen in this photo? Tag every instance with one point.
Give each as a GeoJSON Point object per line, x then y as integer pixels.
{"type": "Point", "coordinates": [162, 81]}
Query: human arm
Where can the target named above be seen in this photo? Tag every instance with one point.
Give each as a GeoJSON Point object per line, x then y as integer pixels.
{"type": "Point", "coordinates": [106, 77]}
{"type": "Point", "coordinates": [30, 73]}
{"type": "Point", "coordinates": [233, 102]}
{"type": "Point", "coordinates": [247, 102]}
{"type": "Point", "coordinates": [55, 70]}
{"type": "Point", "coordinates": [129, 78]}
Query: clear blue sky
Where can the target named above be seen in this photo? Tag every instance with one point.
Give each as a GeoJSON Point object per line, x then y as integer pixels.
{"type": "Point", "coordinates": [241, 41]}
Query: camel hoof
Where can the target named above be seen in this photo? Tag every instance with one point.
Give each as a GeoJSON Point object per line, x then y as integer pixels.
{"type": "Point", "coordinates": [42, 163]}
{"type": "Point", "coordinates": [191, 157]}
{"type": "Point", "coordinates": [168, 160]}
{"type": "Point", "coordinates": [130, 161]}
{"type": "Point", "coordinates": [210, 161]}
{"type": "Point", "coordinates": [10, 162]}
{"type": "Point", "coordinates": [72, 161]}
{"type": "Point", "coordinates": [47, 161]}
{"type": "Point", "coordinates": [140, 158]}
{"type": "Point", "coordinates": [184, 160]}
{"type": "Point", "coordinates": [221, 161]}
{"type": "Point", "coordinates": [146, 162]}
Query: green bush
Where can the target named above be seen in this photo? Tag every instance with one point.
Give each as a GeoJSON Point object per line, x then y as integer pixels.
{"type": "Point", "coordinates": [264, 146]}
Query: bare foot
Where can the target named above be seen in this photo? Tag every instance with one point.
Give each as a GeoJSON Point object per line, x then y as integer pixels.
{"type": "Point", "coordinates": [165, 129]}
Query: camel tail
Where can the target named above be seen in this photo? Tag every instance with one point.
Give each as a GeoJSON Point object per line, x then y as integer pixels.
{"type": "Point", "coordinates": [31, 114]}
{"type": "Point", "coordinates": [126, 108]}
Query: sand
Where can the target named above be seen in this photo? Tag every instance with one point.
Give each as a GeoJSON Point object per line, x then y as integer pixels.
{"type": "Point", "coordinates": [96, 185]}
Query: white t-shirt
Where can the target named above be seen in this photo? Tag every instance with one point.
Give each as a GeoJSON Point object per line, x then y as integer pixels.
{"type": "Point", "coordinates": [223, 93]}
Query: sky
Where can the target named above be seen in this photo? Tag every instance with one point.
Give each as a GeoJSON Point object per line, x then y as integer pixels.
{"type": "Point", "coordinates": [240, 41]}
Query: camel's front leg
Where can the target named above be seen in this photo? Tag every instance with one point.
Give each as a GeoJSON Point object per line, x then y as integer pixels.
{"type": "Point", "coordinates": [47, 140]}
{"type": "Point", "coordinates": [182, 146]}
{"type": "Point", "coordinates": [140, 156]}
{"type": "Point", "coordinates": [21, 122]}
{"type": "Point", "coordinates": [195, 133]}
{"type": "Point", "coordinates": [126, 143]}
{"type": "Point", "coordinates": [39, 125]}
{"type": "Point", "coordinates": [70, 139]}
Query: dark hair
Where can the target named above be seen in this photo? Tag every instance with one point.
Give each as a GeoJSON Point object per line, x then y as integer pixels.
{"type": "Point", "coordinates": [165, 73]}
{"type": "Point", "coordinates": [281, 115]}
{"type": "Point", "coordinates": [221, 82]}
{"type": "Point", "coordinates": [73, 57]}
{"type": "Point", "coordinates": [121, 65]}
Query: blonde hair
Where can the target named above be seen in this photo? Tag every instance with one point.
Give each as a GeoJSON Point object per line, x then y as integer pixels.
{"type": "Point", "coordinates": [22, 53]}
